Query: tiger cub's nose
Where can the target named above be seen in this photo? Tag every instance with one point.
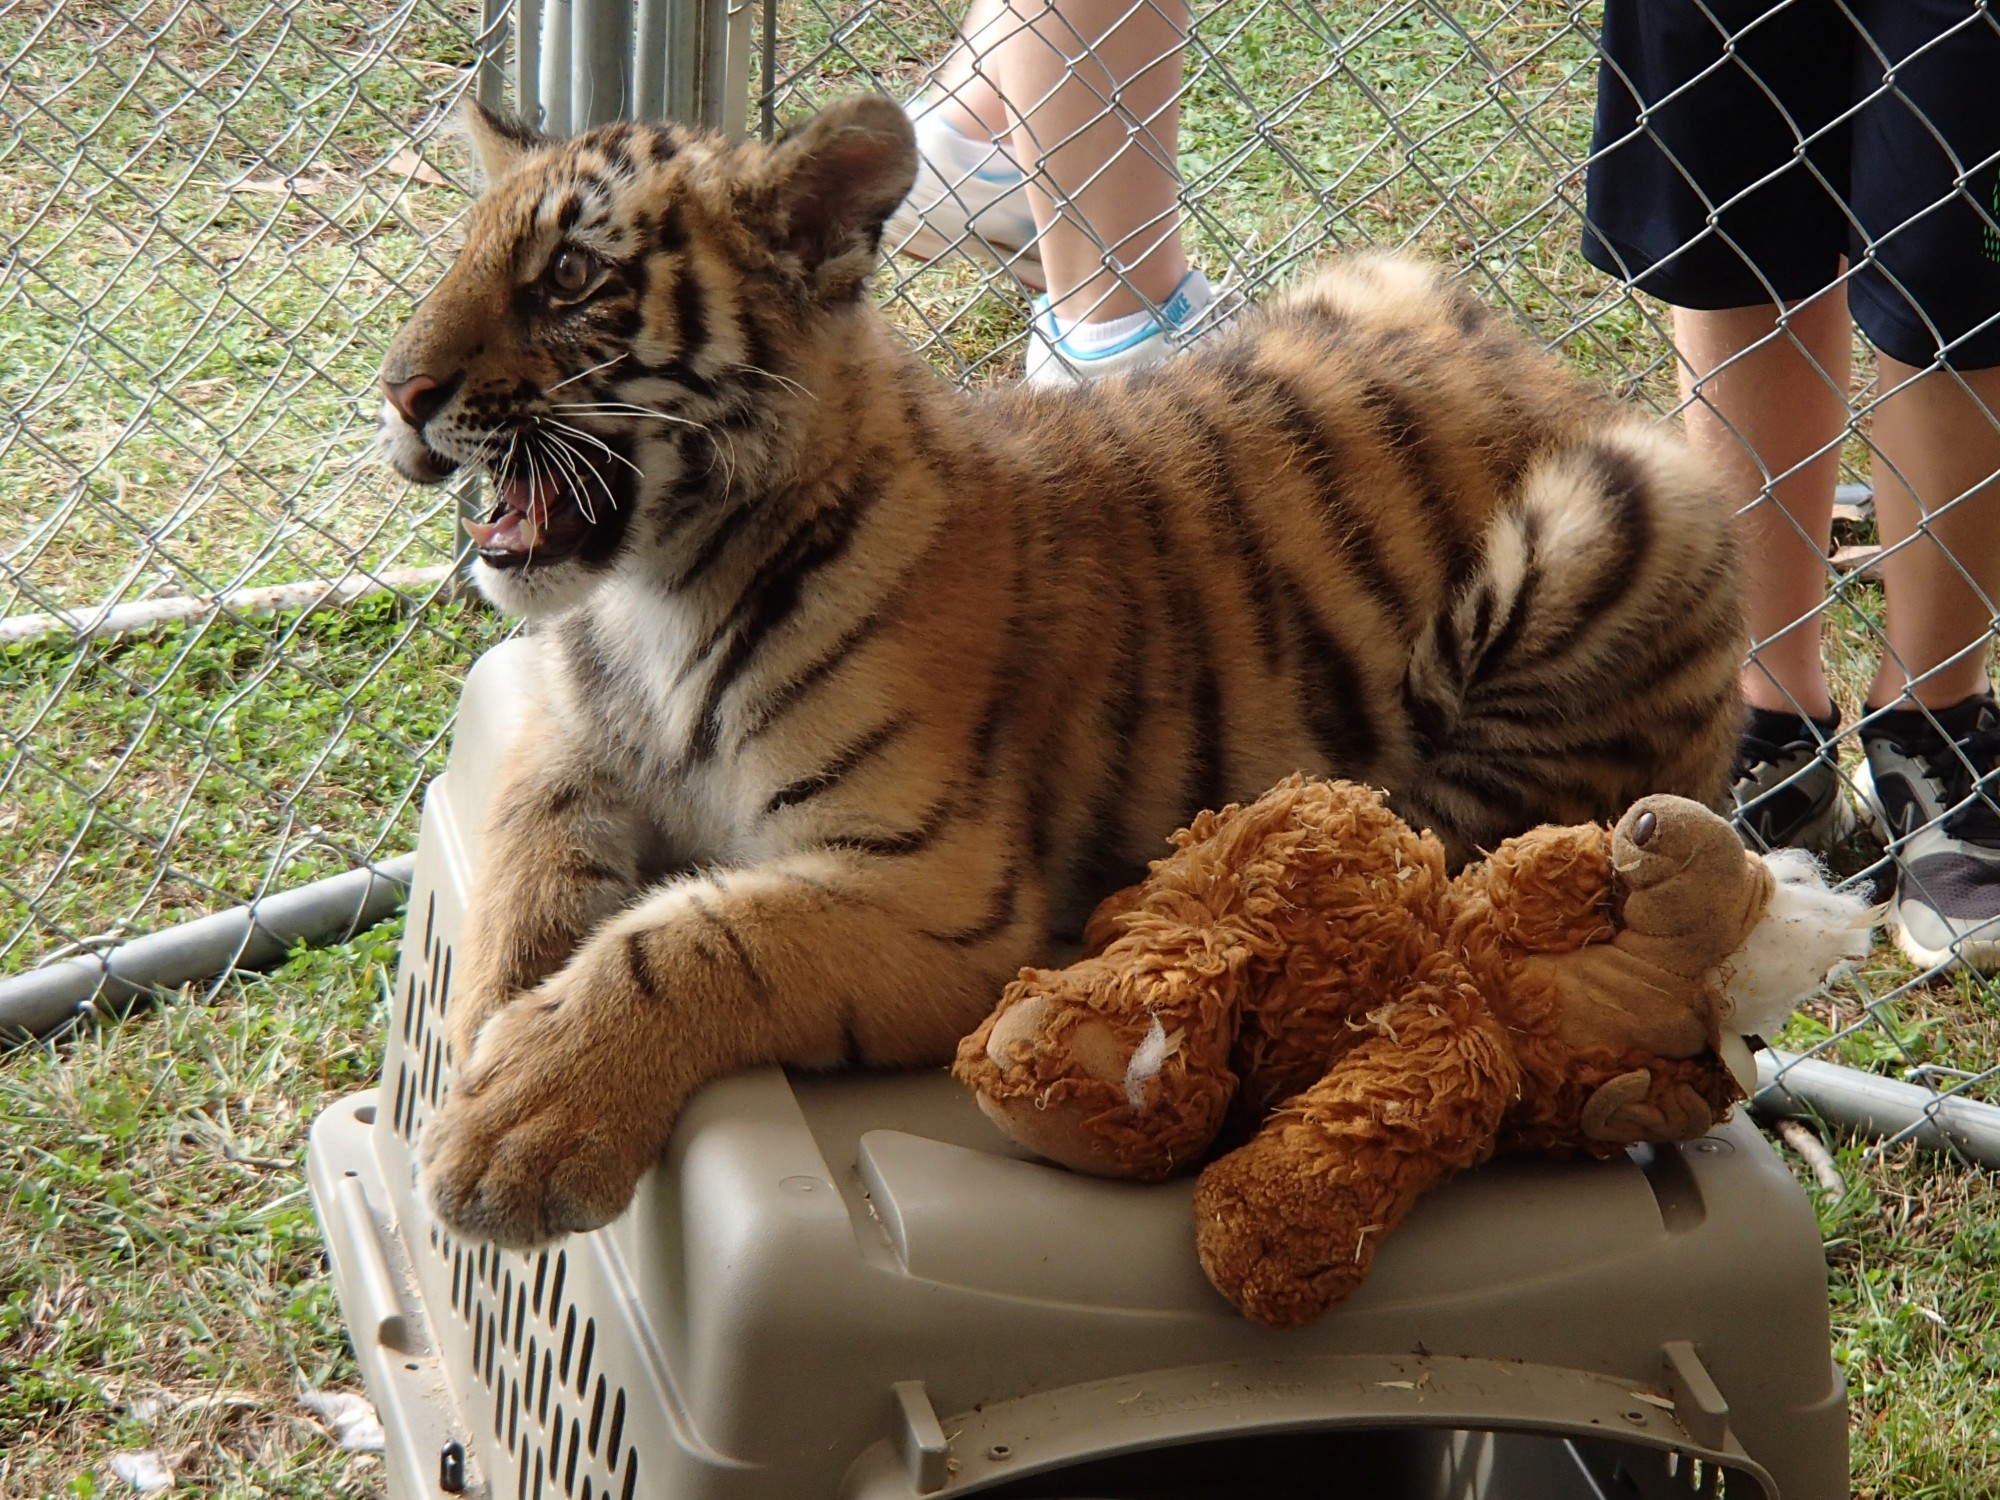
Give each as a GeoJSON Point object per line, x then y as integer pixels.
{"type": "Point", "coordinates": [418, 398]}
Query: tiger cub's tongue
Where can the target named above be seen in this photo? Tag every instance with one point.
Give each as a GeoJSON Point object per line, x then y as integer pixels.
{"type": "Point", "coordinates": [518, 522]}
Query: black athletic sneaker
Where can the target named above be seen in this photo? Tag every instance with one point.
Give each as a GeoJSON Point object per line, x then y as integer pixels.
{"type": "Point", "coordinates": [1786, 786]}
{"type": "Point", "coordinates": [1933, 779]}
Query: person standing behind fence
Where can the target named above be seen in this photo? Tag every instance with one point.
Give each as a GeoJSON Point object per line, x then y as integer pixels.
{"type": "Point", "coordinates": [1047, 141]}
{"type": "Point", "coordinates": [1769, 169]}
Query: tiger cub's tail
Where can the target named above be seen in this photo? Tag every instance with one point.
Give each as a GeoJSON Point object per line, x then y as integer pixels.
{"type": "Point", "coordinates": [1593, 658]}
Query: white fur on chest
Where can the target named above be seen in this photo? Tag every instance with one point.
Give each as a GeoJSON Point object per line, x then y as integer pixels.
{"type": "Point", "coordinates": [647, 645]}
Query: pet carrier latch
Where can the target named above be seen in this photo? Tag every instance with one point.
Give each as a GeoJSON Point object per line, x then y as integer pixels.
{"type": "Point", "coordinates": [376, 1304]}
{"type": "Point", "coordinates": [1698, 1400]}
{"type": "Point", "coordinates": [922, 1438]}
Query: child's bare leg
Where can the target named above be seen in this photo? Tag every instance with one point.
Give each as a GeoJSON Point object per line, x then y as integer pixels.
{"type": "Point", "coordinates": [1094, 86]}
{"type": "Point", "coordinates": [1937, 485]}
{"type": "Point", "coordinates": [1768, 393]}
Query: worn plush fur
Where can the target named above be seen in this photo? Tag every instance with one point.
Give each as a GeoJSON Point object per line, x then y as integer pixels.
{"type": "Point", "coordinates": [1303, 972]}
{"type": "Point", "coordinates": [858, 692]}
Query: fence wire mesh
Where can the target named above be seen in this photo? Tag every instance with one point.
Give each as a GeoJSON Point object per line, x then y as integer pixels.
{"type": "Point", "coordinates": [217, 213]}
{"type": "Point", "coordinates": [220, 210]}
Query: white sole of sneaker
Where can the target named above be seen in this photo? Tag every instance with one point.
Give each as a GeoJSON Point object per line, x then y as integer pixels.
{"type": "Point", "coordinates": [1047, 369]}
{"type": "Point", "coordinates": [923, 243]}
{"type": "Point", "coordinates": [1980, 955]}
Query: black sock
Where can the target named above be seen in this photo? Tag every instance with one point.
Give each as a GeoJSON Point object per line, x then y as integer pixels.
{"type": "Point", "coordinates": [1772, 726]}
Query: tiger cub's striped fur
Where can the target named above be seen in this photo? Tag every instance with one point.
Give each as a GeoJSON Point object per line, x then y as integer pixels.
{"type": "Point", "coordinates": [860, 691]}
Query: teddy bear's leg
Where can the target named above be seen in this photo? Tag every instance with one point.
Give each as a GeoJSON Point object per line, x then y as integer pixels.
{"type": "Point", "coordinates": [1288, 1225]}
{"type": "Point", "coordinates": [1117, 1065]}
{"type": "Point", "coordinates": [1598, 1101]}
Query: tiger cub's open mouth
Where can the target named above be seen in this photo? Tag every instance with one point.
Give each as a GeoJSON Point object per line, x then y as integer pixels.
{"type": "Point", "coordinates": [535, 521]}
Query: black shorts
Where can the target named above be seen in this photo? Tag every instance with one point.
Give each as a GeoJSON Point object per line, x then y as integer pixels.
{"type": "Point", "coordinates": [1737, 177]}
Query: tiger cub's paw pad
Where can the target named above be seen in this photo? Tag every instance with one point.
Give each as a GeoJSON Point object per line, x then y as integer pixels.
{"type": "Point", "coordinates": [520, 1154]}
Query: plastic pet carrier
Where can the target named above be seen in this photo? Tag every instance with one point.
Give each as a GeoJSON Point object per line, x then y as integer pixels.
{"type": "Point", "coordinates": [853, 1287]}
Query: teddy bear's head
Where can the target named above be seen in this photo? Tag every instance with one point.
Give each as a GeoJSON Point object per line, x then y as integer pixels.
{"type": "Point", "coordinates": [1685, 879]}
{"type": "Point", "coordinates": [1752, 932]}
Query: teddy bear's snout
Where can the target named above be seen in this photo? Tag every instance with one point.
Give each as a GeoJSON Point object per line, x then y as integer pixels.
{"type": "Point", "coordinates": [1661, 837]}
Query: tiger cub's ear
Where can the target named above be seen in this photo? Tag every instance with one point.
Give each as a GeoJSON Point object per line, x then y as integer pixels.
{"type": "Point", "coordinates": [499, 142]}
{"type": "Point", "coordinates": [833, 181]}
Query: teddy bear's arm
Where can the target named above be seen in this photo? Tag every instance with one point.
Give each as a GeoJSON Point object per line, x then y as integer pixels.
{"type": "Point", "coordinates": [1117, 1065]}
{"type": "Point", "coordinates": [1107, 922]}
{"type": "Point", "coordinates": [1551, 890]}
{"type": "Point", "coordinates": [1288, 1225]}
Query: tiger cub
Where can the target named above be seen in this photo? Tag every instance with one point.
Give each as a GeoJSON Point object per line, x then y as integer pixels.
{"type": "Point", "coordinates": [857, 691]}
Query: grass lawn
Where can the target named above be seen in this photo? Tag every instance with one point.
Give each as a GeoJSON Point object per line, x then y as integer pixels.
{"type": "Point", "coordinates": [161, 1279]}
{"type": "Point", "coordinates": [213, 230]}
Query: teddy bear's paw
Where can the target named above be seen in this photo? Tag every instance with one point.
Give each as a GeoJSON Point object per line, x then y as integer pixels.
{"type": "Point", "coordinates": [1620, 1113]}
{"type": "Point", "coordinates": [1096, 1096]}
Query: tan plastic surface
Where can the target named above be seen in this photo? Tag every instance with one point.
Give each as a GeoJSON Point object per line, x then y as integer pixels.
{"type": "Point", "coordinates": [821, 1261]}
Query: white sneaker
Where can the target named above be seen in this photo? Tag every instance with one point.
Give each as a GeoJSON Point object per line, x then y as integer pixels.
{"type": "Point", "coordinates": [1056, 358]}
{"type": "Point", "coordinates": [970, 196]}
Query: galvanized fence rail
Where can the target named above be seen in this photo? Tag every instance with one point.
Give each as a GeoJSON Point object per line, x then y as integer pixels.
{"type": "Point", "coordinates": [228, 639]}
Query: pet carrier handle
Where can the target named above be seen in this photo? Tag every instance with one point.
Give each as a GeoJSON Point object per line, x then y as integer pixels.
{"type": "Point", "coordinates": [376, 1304]}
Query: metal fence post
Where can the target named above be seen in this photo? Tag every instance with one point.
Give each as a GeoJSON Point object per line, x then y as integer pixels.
{"type": "Point", "coordinates": [558, 27]}
{"type": "Point", "coordinates": [580, 63]}
{"type": "Point", "coordinates": [707, 62]}
{"type": "Point", "coordinates": [600, 62]}
{"type": "Point", "coordinates": [649, 59]}
{"type": "Point", "coordinates": [528, 60]}
{"type": "Point", "coordinates": [495, 28]}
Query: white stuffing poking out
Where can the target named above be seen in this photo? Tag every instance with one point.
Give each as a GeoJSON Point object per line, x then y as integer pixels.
{"type": "Point", "coordinates": [1147, 1060]}
{"type": "Point", "coordinates": [1807, 932]}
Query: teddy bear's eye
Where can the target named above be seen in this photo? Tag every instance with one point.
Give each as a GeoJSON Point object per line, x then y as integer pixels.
{"type": "Point", "coordinates": [571, 273]}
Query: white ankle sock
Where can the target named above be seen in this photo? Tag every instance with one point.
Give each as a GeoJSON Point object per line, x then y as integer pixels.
{"type": "Point", "coordinates": [955, 154]}
{"type": "Point", "coordinates": [1189, 298]}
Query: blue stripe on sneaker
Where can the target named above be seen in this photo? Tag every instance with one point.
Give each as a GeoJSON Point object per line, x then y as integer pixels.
{"type": "Point", "coordinates": [1178, 310]}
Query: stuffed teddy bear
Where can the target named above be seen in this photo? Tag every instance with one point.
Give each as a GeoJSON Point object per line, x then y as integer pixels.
{"type": "Point", "coordinates": [1302, 972]}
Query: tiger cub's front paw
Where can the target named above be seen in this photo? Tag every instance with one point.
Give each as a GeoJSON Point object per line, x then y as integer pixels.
{"type": "Point", "coordinates": [540, 1136]}
{"type": "Point", "coordinates": [472, 1003]}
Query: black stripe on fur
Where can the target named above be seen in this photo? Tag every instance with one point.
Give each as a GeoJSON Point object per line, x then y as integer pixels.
{"type": "Point", "coordinates": [839, 767]}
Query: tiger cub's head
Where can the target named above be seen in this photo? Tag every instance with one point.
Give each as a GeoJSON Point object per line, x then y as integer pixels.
{"type": "Point", "coordinates": [610, 347]}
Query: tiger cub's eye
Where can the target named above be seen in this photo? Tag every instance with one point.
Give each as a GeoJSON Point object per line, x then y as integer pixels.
{"type": "Point", "coordinates": [571, 273]}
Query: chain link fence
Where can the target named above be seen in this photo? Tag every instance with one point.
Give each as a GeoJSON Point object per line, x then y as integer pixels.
{"type": "Point", "coordinates": [229, 640]}
{"type": "Point", "coordinates": [217, 214]}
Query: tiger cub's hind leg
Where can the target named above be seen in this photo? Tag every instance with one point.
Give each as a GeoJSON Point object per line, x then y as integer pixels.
{"type": "Point", "coordinates": [1593, 658]}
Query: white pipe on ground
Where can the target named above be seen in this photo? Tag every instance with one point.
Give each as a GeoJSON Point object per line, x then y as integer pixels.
{"type": "Point", "coordinates": [150, 614]}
